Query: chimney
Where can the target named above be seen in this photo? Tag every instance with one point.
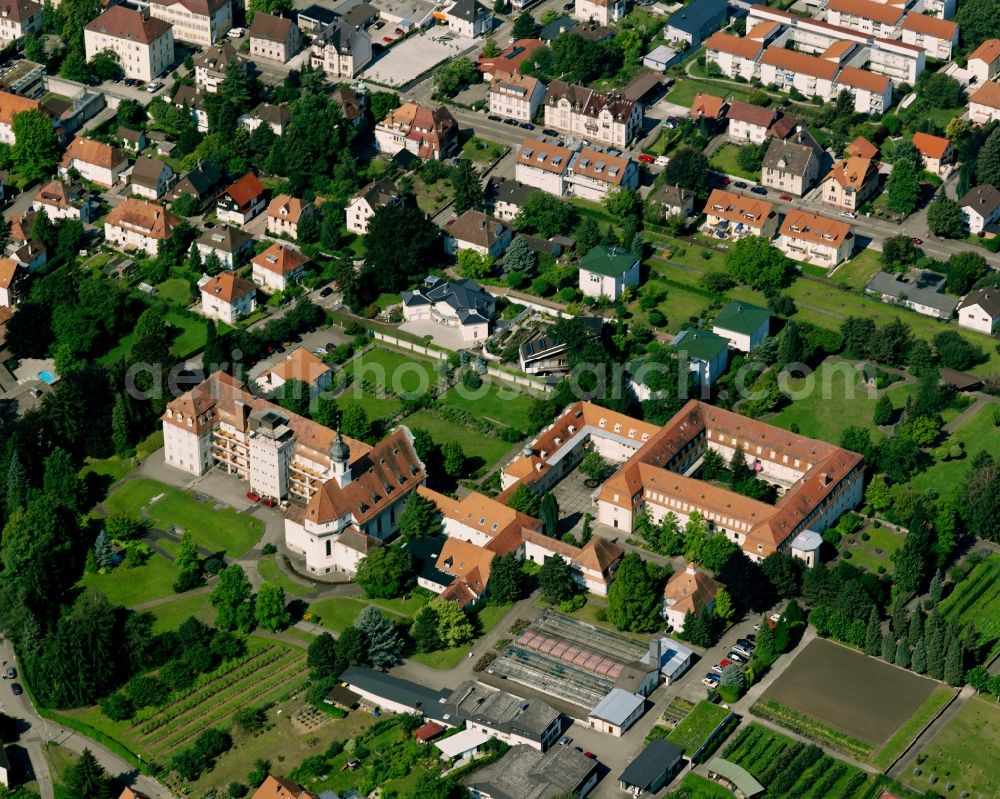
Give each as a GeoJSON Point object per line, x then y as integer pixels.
{"type": "Point", "coordinates": [655, 651]}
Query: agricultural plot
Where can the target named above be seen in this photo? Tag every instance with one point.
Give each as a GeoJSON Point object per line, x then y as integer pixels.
{"type": "Point", "coordinates": [977, 599]}
{"type": "Point", "coordinates": [495, 402]}
{"type": "Point", "coordinates": [269, 671]}
{"type": "Point", "coordinates": [379, 371]}
{"type": "Point", "coordinates": [863, 701]}
{"type": "Point", "coordinates": [792, 769]}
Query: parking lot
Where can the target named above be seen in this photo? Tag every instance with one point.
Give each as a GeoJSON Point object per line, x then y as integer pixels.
{"type": "Point", "coordinates": [418, 54]}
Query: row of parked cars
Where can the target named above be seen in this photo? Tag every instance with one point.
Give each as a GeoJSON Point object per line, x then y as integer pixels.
{"type": "Point", "coordinates": [739, 655]}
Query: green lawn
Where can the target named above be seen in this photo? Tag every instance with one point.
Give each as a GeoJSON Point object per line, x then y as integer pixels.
{"type": "Point", "coordinates": [270, 572]}
{"type": "Point", "coordinates": [482, 150]}
{"type": "Point", "coordinates": [217, 528]}
{"type": "Point", "coordinates": [170, 615]}
{"type": "Point", "coordinates": [694, 730]}
{"type": "Point", "coordinates": [829, 406]}
{"type": "Point", "coordinates": [876, 551]}
{"type": "Point", "coordinates": [964, 753]}
{"type": "Point", "coordinates": [478, 447]}
{"type": "Point", "coordinates": [116, 468]}
{"type": "Point", "coordinates": [977, 433]}
{"type": "Point", "coordinates": [686, 89]}
{"type": "Point", "coordinates": [704, 788]}
{"type": "Point", "coordinates": [394, 371]}
{"type": "Point", "coordinates": [904, 736]}
{"type": "Point", "coordinates": [176, 291]}
{"type": "Point", "coordinates": [497, 402]}
{"type": "Point", "coordinates": [131, 587]}
{"type": "Point", "coordinates": [725, 160]}
{"type": "Point", "coordinates": [856, 272]}
{"type": "Point", "coordinates": [339, 613]}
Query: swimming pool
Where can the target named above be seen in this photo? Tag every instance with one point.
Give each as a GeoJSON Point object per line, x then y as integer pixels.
{"type": "Point", "coordinates": [47, 377]}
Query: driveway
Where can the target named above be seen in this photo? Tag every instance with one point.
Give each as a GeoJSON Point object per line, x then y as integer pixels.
{"type": "Point", "coordinates": [448, 337]}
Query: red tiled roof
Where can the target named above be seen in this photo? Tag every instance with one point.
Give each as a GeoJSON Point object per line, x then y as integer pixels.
{"type": "Point", "coordinates": [799, 62]}
{"type": "Point", "coordinates": [863, 79]}
{"type": "Point", "coordinates": [932, 26]}
{"type": "Point", "coordinates": [246, 189]}
{"type": "Point", "coordinates": [930, 146]}
{"type": "Point", "coordinates": [124, 23]}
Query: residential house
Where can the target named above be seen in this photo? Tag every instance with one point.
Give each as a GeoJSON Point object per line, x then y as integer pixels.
{"type": "Point", "coordinates": [688, 591]}
{"type": "Point", "coordinates": [211, 65]}
{"type": "Point", "coordinates": [792, 165]}
{"type": "Point", "coordinates": [11, 104]}
{"type": "Point", "coordinates": [525, 772]}
{"type": "Point", "coordinates": [302, 365]}
{"type": "Point", "coordinates": [277, 116]}
{"type": "Point", "coordinates": [919, 290]}
{"type": "Point", "coordinates": [12, 276]}
{"type": "Point", "coordinates": [202, 183]}
{"type": "Point", "coordinates": [284, 214]}
{"type": "Point", "coordinates": [271, 788]}
{"type": "Point", "coordinates": [984, 62]}
{"type": "Point", "coordinates": [984, 104]}
{"type": "Point", "coordinates": [18, 18]}
{"type": "Point", "coordinates": [139, 225]}
{"type": "Point", "coordinates": [618, 711]}
{"type": "Point", "coordinates": [32, 255]}
{"type": "Point", "coordinates": [607, 272]}
{"type": "Point", "coordinates": [592, 115]}
{"type": "Point", "coordinates": [743, 324]}
{"type": "Point", "coordinates": [278, 267]}
{"type": "Point", "coordinates": [602, 12]}
{"type": "Point", "coordinates": [543, 165]}
{"type": "Point", "coordinates": [509, 60]}
{"type": "Point", "coordinates": [341, 51]}
{"type": "Point", "coordinates": [735, 56]}
{"type": "Point", "coordinates": [144, 45]}
{"type": "Point", "coordinates": [862, 148]}
{"type": "Point", "coordinates": [654, 767]}
{"type": "Point", "coordinates": [980, 310]}
{"type": "Point", "coordinates": [462, 304]}
{"type": "Point", "coordinates": [593, 175]}
{"type": "Point", "coordinates": [500, 715]}
{"type": "Point", "coordinates": [469, 18]}
{"type": "Point", "coordinates": [544, 355]}
{"type": "Point", "coordinates": [363, 205]}
{"type": "Point", "coordinates": [242, 201]}
{"type": "Point", "coordinates": [810, 75]}
{"type": "Point", "coordinates": [696, 21]}
{"type": "Point", "coordinates": [708, 107]}
{"type": "Point", "coordinates": [516, 96]}
{"type": "Point", "coordinates": [151, 178]}
{"type": "Point", "coordinates": [850, 183]}
{"type": "Point", "coordinates": [674, 200]}
{"type": "Point", "coordinates": [232, 246]}
{"type": "Point", "coordinates": [866, 16]}
{"type": "Point", "coordinates": [430, 133]}
{"type": "Point", "coordinates": [936, 152]}
{"type": "Point", "coordinates": [188, 97]}
{"type": "Point", "coordinates": [196, 22]}
{"type": "Point", "coordinates": [352, 105]}
{"type": "Point", "coordinates": [560, 25]}
{"type": "Point", "coordinates": [737, 215]}
{"type": "Point", "coordinates": [748, 123]}
{"type": "Point", "coordinates": [504, 197]}
{"type": "Point", "coordinates": [937, 36]}
{"type": "Point", "coordinates": [227, 297]}
{"type": "Point", "coordinates": [980, 207]}
{"type": "Point", "coordinates": [706, 353]}
{"type": "Point", "coordinates": [594, 565]}
{"type": "Point", "coordinates": [62, 200]}
{"type": "Point", "coordinates": [132, 140]}
{"type": "Point", "coordinates": [872, 92]}
{"type": "Point", "coordinates": [814, 239]}
{"type": "Point", "coordinates": [474, 230]}
{"type": "Point", "coordinates": [274, 38]}
{"type": "Point", "coordinates": [95, 161]}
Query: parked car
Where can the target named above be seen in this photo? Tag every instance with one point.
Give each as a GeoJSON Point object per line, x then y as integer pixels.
{"type": "Point", "coordinates": [710, 679]}
{"type": "Point", "coordinates": [326, 291]}
{"type": "Point", "coordinates": [736, 657]}
{"type": "Point", "coordinates": [756, 627]}
{"type": "Point", "coordinates": [725, 662]}
{"type": "Point", "coordinates": [268, 502]}
{"type": "Point", "coordinates": [495, 118]}
{"type": "Point", "coordinates": [717, 668]}
{"type": "Point", "coordinates": [917, 241]}
{"type": "Point", "coordinates": [752, 638]}
{"type": "Point", "coordinates": [549, 132]}
{"type": "Point", "coordinates": [526, 126]}
{"type": "Point", "coordinates": [646, 158]}
{"type": "Point", "coordinates": [510, 122]}
{"type": "Point", "coordinates": [235, 33]}
{"type": "Point", "coordinates": [744, 652]}
{"type": "Point", "coordinates": [740, 184]}
{"type": "Point", "coordinates": [591, 755]}
{"type": "Point", "coordinates": [848, 214]}
{"type": "Point", "coordinates": [759, 190]}
{"type": "Point", "coordinates": [669, 125]}
{"type": "Point", "coordinates": [10, 673]}
{"type": "Point", "coordinates": [565, 741]}
{"type": "Point", "coordinates": [387, 39]}
{"type": "Point", "coordinates": [662, 160]}
{"type": "Point", "coordinates": [253, 497]}
{"type": "Point", "coordinates": [745, 643]}
{"type": "Point", "coordinates": [153, 87]}
{"type": "Point", "coordinates": [786, 197]}
{"type": "Point", "coordinates": [16, 688]}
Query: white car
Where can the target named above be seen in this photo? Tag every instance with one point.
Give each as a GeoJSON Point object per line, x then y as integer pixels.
{"type": "Point", "coordinates": [662, 160]}
{"type": "Point", "coordinates": [848, 214]}
{"type": "Point", "coordinates": [235, 33]}
{"type": "Point", "coordinates": [775, 617]}
{"type": "Point", "coordinates": [153, 87]}
{"type": "Point", "coordinates": [742, 652]}
{"type": "Point", "coordinates": [711, 680]}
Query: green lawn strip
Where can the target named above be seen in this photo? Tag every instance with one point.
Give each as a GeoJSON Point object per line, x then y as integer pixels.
{"type": "Point", "coordinates": [496, 402]}
{"type": "Point", "coordinates": [270, 573]}
{"type": "Point", "coordinates": [857, 272]}
{"type": "Point", "coordinates": [904, 736]}
{"type": "Point", "coordinates": [339, 613]}
{"type": "Point", "coordinates": [130, 587]}
{"type": "Point", "coordinates": [393, 371]}
{"type": "Point", "coordinates": [475, 445]}
{"type": "Point", "coordinates": [374, 407]}
{"type": "Point", "coordinates": [215, 528]}
{"type": "Point", "coordinates": [976, 433]}
{"type": "Point", "coordinates": [694, 730]}
{"type": "Point", "coordinates": [963, 753]}
{"type": "Point", "coordinates": [812, 729]}
{"type": "Point", "coordinates": [686, 89]}
{"type": "Point", "coordinates": [170, 615]}
{"type": "Point", "coordinates": [594, 210]}
{"type": "Point", "coordinates": [482, 150]}
{"type": "Point", "coordinates": [725, 160]}
{"type": "Point", "coordinates": [175, 291]}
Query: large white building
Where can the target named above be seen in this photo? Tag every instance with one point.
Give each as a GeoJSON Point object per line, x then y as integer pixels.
{"type": "Point", "coordinates": [602, 12]}
{"type": "Point", "coordinates": [815, 239]}
{"type": "Point", "coordinates": [96, 161]}
{"type": "Point", "coordinates": [341, 51]}
{"type": "Point", "coordinates": [543, 165]}
{"type": "Point", "coordinates": [938, 37]}
{"type": "Point", "coordinates": [592, 115]}
{"type": "Point", "coordinates": [195, 22]}
{"type": "Point", "coordinates": [144, 45]}
{"type": "Point", "coordinates": [139, 225]}
{"type": "Point", "coordinates": [593, 175]}
{"type": "Point", "coordinates": [516, 96]}
{"type": "Point", "coordinates": [18, 18]}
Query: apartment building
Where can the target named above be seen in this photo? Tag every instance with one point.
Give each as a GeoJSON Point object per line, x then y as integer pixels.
{"type": "Point", "coordinates": [881, 20]}
{"type": "Point", "coordinates": [96, 161]}
{"type": "Point", "coordinates": [814, 239]}
{"type": "Point", "coordinates": [274, 38]}
{"type": "Point", "coordinates": [731, 215]}
{"type": "Point", "coordinates": [341, 51]}
{"type": "Point", "coordinates": [543, 165]}
{"type": "Point", "coordinates": [735, 56]}
{"type": "Point", "coordinates": [602, 12]}
{"type": "Point", "coordinates": [872, 93]}
{"type": "Point", "coordinates": [200, 23]}
{"type": "Point", "coordinates": [938, 37]}
{"type": "Point", "coordinates": [850, 183]}
{"type": "Point", "coordinates": [748, 123]}
{"type": "Point", "coordinates": [18, 18]}
{"type": "Point", "coordinates": [984, 104]}
{"type": "Point", "coordinates": [430, 133]}
{"type": "Point", "coordinates": [592, 115]}
{"type": "Point", "coordinates": [792, 165]}
{"type": "Point", "coordinates": [593, 175]}
{"type": "Point", "coordinates": [139, 225]}
{"type": "Point", "coordinates": [144, 45]}
{"type": "Point", "coordinates": [516, 96]}
{"type": "Point", "coordinates": [211, 65]}
{"type": "Point", "coordinates": [984, 62]}
{"type": "Point", "coordinates": [786, 69]}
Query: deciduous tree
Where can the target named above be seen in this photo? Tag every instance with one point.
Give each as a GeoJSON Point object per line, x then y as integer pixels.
{"type": "Point", "coordinates": [633, 599]}
{"type": "Point", "coordinates": [35, 151]}
{"type": "Point", "coordinates": [385, 572]}
{"type": "Point", "coordinates": [755, 262]}
{"type": "Point", "coordinates": [944, 218]}
{"type": "Point", "coordinates": [232, 599]}
{"type": "Point", "coordinates": [454, 627]}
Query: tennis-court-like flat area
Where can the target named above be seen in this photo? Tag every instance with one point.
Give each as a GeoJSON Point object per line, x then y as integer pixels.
{"type": "Point", "coordinates": [403, 62]}
{"type": "Point", "coordinates": [848, 691]}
